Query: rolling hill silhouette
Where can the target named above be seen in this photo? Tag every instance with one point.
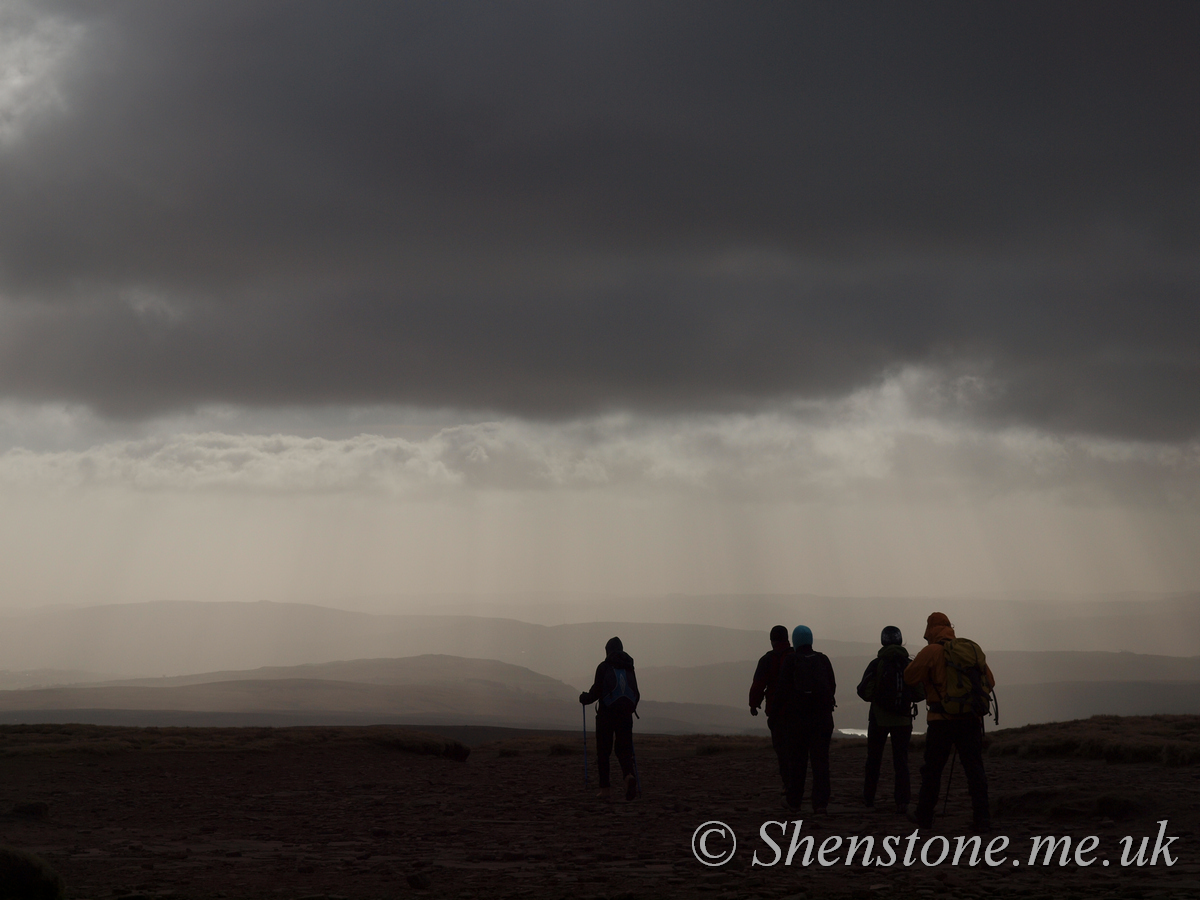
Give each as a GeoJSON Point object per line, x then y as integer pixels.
{"type": "Point", "coordinates": [430, 689]}
{"type": "Point", "coordinates": [217, 658]}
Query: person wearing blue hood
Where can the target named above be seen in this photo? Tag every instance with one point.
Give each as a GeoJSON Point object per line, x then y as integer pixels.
{"type": "Point", "coordinates": [806, 696]}
{"type": "Point", "coordinates": [615, 687]}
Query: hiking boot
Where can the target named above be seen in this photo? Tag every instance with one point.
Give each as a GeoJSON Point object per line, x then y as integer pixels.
{"type": "Point", "coordinates": [869, 804]}
{"type": "Point", "coordinates": [605, 794]}
{"type": "Point", "coordinates": [630, 787]}
{"type": "Point", "coordinates": [820, 810]}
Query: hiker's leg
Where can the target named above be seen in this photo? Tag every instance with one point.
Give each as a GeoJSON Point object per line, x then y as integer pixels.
{"type": "Point", "coordinates": [901, 735]}
{"type": "Point", "coordinates": [969, 740]}
{"type": "Point", "coordinates": [797, 742]}
{"type": "Point", "coordinates": [819, 753]}
{"type": "Point", "coordinates": [876, 738]}
{"type": "Point", "coordinates": [939, 738]}
{"type": "Point", "coordinates": [779, 743]}
{"type": "Point", "coordinates": [623, 734]}
{"type": "Point", "coordinates": [604, 745]}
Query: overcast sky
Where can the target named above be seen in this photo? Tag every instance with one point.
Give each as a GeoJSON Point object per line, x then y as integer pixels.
{"type": "Point", "coordinates": [315, 300]}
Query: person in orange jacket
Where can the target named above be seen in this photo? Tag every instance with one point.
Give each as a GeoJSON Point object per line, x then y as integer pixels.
{"type": "Point", "coordinates": [946, 731]}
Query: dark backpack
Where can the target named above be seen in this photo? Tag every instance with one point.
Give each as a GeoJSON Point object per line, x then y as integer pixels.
{"type": "Point", "coordinates": [619, 690]}
{"type": "Point", "coordinates": [966, 692]}
{"type": "Point", "coordinates": [774, 669]}
{"type": "Point", "coordinates": [891, 692]}
{"type": "Point", "coordinates": [814, 692]}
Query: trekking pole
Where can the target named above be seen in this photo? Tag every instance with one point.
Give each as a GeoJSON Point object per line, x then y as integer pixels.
{"type": "Point", "coordinates": [949, 781]}
{"type": "Point", "coordinates": [583, 709]}
{"type": "Point", "coordinates": [637, 775]}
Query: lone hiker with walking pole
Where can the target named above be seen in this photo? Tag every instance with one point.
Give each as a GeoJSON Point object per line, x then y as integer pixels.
{"type": "Point", "coordinates": [958, 686]}
{"type": "Point", "coordinates": [615, 687]}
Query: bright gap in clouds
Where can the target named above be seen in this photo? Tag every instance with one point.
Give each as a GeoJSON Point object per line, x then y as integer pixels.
{"type": "Point", "coordinates": [33, 48]}
{"type": "Point", "coordinates": [889, 492]}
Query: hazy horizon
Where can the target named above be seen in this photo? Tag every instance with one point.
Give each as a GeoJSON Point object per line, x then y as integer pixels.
{"type": "Point", "coordinates": [279, 664]}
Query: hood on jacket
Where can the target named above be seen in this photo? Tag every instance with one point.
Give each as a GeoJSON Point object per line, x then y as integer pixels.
{"type": "Point", "coordinates": [897, 650]}
{"type": "Point", "coordinates": [801, 636]}
{"type": "Point", "coordinates": [938, 628]}
{"type": "Point", "coordinates": [614, 652]}
{"type": "Point", "coordinates": [619, 659]}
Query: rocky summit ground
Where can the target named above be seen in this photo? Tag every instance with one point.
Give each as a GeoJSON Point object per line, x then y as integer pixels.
{"type": "Point", "coordinates": [379, 813]}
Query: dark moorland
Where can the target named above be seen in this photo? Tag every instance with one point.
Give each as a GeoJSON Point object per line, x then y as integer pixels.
{"type": "Point", "coordinates": [386, 812]}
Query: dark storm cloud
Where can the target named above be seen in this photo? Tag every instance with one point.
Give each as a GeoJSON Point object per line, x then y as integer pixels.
{"type": "Point", "coordinates": [557, 208]}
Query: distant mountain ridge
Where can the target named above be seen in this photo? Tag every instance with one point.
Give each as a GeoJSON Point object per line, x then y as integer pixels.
{"type": "Point", "coordinates": [182, 638]}
{"type": "Point", "coordinates": [729, 683]}
{"type": "Point", "coordinates": [448, 690]}
{"type": "Point", "coordinates": [428, 669]}
{"type": "Point", "coordinates": [425, 689]}
{"type": "Point", "coordinates": [1150, 623]}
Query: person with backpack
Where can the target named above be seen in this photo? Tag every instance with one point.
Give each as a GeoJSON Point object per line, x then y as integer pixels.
{"type": "Point", "coordinates": [615, 687]}
{"type": "Point", "coordinates": [958, 686]}
{"type": "Point", "coordinates": [806, 697]}
{"type": "Point", "coordinates": [765, 686]}
{"type": "Point", "coordinates": [893, 706]}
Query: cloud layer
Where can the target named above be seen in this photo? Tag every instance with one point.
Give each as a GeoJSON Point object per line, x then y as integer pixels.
{"type": "Point", "coordinates": [564, 211]}
{"type": "Point", "coordinates": [877, 446]}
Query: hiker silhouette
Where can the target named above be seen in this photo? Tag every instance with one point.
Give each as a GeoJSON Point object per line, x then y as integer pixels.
{"type": "Point", "coordinates": [615, 693]}
{"type": "Point", "coordinates": [807, 687]}
{"type": "Point", "coordinates": [957, 682]}
{"type": "Point", "coordinates": [893, 705]}
{"type": "Point", "coordinates": [765, 686]}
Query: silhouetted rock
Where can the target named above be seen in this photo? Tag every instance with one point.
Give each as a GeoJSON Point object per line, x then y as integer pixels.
{"type": "Point", "coordinates": [419, 881]}
{"type": "Point", "coordinates": [25, 876]}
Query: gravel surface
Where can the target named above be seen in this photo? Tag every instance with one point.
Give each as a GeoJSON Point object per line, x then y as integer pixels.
{"type": "Point", "coordinates": [353, 818]}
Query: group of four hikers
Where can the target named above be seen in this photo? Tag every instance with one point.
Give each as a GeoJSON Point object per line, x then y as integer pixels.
{"type": "Point", "coordinates": [798, 686]}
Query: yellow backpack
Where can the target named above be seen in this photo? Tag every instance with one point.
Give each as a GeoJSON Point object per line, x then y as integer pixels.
{"type": "Point", "coordinates": [966, 692]}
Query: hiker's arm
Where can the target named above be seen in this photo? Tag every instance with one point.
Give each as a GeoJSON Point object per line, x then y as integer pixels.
{"type": "Point", "coordinates": [592, 694]}
{"type": "Point", "coordinates": [918, 671]}
{"type": "Point", "coordinates": [758, 687]}
{"type": "Point", "coordinates": [914, 692]}
{"type": "Point", "coordinates": [758, 690]}
{"type": "Point", "coordinates": [917, 691]}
